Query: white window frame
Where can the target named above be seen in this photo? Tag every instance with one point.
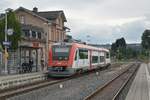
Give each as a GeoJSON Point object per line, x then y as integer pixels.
{"type": "Point", "coordinates": [22, 19]}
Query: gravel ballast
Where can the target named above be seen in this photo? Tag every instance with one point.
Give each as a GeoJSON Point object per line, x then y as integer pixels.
{"type": "Point", "coordinates": [74, 89]}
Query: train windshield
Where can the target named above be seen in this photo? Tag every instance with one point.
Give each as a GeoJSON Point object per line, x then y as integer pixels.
{"type": "Point", "coordinates": [61, 53]}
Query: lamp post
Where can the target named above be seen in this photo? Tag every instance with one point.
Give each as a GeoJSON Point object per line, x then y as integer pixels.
{"type": "Point", "coordinates": [6, 32]}
{"type": "Point", "coordinates": [6, 71]}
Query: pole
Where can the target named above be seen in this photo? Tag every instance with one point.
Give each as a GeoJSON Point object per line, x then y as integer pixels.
{"type": "Point", "coordinates": [48, 25]}
{"type": "Point", "coordinates": [48, 34]}
{"type": "Point", "coordinates": [47, 45]}
{"type": "Point", "coordinates": [6, 70]}
{"type": "Point", "coordinates": [149, 58]}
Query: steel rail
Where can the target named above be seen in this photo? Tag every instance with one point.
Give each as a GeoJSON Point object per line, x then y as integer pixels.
{"type": "Point", "coordinates": [94, 93]}
{"type": "Point", "coordinates": [116, 97]}
{"type": "Point", "coordinates": [4, 94]}
{"type": "Point", "coordinates": [18, 90]}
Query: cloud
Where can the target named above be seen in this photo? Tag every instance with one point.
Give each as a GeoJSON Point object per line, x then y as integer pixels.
{"type": "Point", "coordinates": [103, 20]}
{"type": "Point", "coordinates": [131, 31]}
{"type": "Point", "coordinates": [3, 5]}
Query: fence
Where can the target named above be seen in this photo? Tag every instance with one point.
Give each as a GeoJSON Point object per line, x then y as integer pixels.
{"type": "Point", "coordinates": [13, 61]}
{"type": "Point", "coordinates": [1, 62]}
{"type": "Point", "coordinates": [1, 58]}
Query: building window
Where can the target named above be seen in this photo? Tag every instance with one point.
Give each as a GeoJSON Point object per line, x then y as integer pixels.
{"type": "Point", "coordinates": [57, 36]}
{"type": "Point", "coordinates": [39, 35]}
{"type": "Point", "coordinates": [33, 34]}
{"type": "Point", "coordinates": [26, 33]}
{"type": "Point", "coordinates": [60, 38]}
{"type": "Point", "coordinates": [22, 19]}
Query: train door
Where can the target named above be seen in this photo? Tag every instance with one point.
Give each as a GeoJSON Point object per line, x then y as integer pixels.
{"type": "Point", "coordinates": [102, 58]}
{"type": "Point", "coordinates": [90, 58]}
{"type": "Point", "coordinates": [76, 59]}
{"type": "Point", "coordinates": [83, 58]}
{"type": "Point", "coordinates": [107, 58]}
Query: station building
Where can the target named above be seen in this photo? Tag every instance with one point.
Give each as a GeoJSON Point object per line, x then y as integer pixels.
{"type": "Point", "coordinates": [40, 29]}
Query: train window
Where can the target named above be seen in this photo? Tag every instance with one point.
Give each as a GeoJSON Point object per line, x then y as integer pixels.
{"type": "Point", "coordinates": [61, 53]}
{"type": "Point", "coordinates": [83, 54]}
{"type": "Point", "coordinates": [102, 58]}
{"type": "Point", "coordinates": [94, 59]}
{"type": "Point", "coordinates": [62, 50]}
{"type": "Point", "coordinates": [107, 55]}
{"type": "Point", "coordinates": [76, 55]}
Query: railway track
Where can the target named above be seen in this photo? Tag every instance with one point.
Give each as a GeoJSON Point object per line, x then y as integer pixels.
{"type": "Point", "coordinates": [113, 88]}
{"type": "Point", "coordinates": [7, 93]}
{"type": "Point", "coordinates": [4, 94]}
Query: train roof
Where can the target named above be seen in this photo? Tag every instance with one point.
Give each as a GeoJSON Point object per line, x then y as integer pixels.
{"type": "Point", "coordinates": [78, 45]}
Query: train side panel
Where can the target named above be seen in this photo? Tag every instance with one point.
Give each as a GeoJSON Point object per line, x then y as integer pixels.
{"type": "Point", "coordinates": [80, 58]}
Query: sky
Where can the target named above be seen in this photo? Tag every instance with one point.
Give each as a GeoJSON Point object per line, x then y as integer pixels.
{"type": "Point", "coordinates": [96, 21]}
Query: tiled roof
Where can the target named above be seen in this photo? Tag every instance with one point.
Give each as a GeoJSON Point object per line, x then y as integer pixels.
{"type": "Point", "coordinates": [29, 11]}
{"type": "Point", "coordinates": [51, 15]}
{"type": "Point", "coordinates": [47, 15]}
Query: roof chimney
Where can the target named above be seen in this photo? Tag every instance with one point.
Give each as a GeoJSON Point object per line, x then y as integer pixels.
{"type": "Point", "coordinates": [35, 9]}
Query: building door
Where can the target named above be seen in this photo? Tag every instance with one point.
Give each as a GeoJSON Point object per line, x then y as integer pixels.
{"type": "Point", "coordinates": [34, 58]}
{"type": "Point", "coordinates": [27, 54]}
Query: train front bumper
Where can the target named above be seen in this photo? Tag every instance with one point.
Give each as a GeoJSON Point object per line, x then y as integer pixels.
{"type": "Point", "coordinates": [57, 73]}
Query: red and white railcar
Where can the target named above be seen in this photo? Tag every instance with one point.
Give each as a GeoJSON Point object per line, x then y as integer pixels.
{"type": "Point", "coordinates": [66, 59]}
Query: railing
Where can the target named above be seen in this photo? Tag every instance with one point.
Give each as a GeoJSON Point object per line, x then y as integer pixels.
{"type": "Point", "coordinates": [15, 80]}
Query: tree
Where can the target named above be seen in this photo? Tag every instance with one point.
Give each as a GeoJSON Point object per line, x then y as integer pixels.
{"type": "Point", "coordinates": [146, 39]}
{"type": "Point", "coordinates": [1, 49]}
{"type": "Point", "coordinates": [121, 43]}
{"type": "Point", "coordinates": [118, 48]}
{"type": "Point", "coordinates": [15, 25]}
{"type": "Point", "coordinates": [113, 49]}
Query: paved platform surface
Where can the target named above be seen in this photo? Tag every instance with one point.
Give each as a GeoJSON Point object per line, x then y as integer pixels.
{"type": "Point", "coordinates": [4, 77]}
{"type": "Point", "coordinates": [8, 81]}
{"type": "Point", "coordinates": [140, 88]}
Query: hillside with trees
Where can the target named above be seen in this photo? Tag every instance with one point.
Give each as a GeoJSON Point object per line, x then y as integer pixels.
{"type": "Point", "coordinates": [145, 54]}
{"type": "Point", "coordinates": [120, 51]}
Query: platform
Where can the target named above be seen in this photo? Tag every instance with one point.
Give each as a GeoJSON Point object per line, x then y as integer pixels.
{"type": "Point", "coordinates": [140, 88]}
{"type": "Point", "coordinates": [20, 79]}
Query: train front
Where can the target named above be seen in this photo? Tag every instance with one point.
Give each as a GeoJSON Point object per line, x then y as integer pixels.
{"type": "Point", "coordinates": [60, 60]}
